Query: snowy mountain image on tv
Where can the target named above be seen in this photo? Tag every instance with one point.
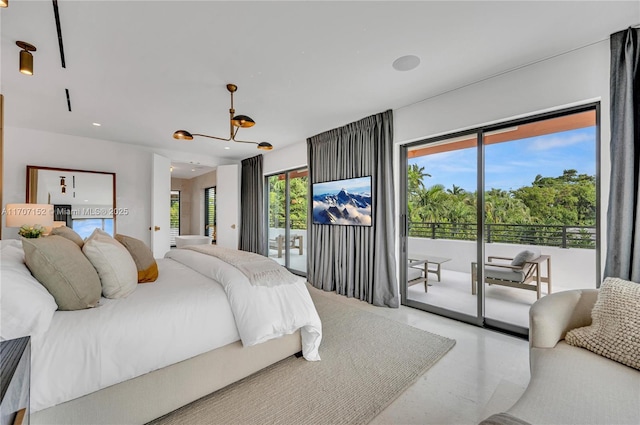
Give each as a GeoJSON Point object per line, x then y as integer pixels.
{"type": "Point", "coordinates": [344, 202]}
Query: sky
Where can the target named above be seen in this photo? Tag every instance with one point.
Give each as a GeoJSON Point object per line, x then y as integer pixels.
{"type": "Point", "coordinates": [514, 164]}
{"type": "Point", "coordinates": [357, 185]}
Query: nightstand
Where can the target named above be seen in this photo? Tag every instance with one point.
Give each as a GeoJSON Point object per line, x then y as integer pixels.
{"type": "Point", "coordinates": [15, 377]}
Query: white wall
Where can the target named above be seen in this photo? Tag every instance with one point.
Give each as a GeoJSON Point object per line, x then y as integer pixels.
{"type": "Point", "coordinates": [293, 156]}
{"type": "Point", "coordinates": [132, 166]}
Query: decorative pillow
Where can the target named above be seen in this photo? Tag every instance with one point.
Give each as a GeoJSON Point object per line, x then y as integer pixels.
{"type": "Point", "coordinates": [142, 256]}
{"type": "Point", "coordinates": [117, 270]}
{"type": "Point", "coordinates": [59, 265]}
{"type": "Point", "coordinates": [524, 256]}
{"type": "Point", "coordinates": [26, 307]}
{"type": "Point", "coordinates": [614, 332]}
{"type": "Point", "coordinates": [68, 233]}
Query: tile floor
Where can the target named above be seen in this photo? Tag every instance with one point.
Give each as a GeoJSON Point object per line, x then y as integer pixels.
{"type": "Point", "coordinates": [453, 292]}
{"type": "Point", "coordinates": [484, 373]}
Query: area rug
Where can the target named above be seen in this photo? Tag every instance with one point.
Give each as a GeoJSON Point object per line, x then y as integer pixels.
{"type": "Point", "coordinates": [367, 362]}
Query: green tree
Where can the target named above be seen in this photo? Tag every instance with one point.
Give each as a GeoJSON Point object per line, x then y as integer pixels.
{"type": "Point", "coordinates": [298, 202]}
{"type": "Point", "coordinates": [569, 199]}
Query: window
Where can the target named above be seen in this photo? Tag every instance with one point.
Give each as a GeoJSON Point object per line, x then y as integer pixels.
{"type": "Point", "coordinates": [210, 212]}
{"type": "Point", "coordinates": [174, 223]}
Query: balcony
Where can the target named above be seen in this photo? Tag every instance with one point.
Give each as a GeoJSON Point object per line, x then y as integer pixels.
{"type": "Point", "coordinates": [573, 263]}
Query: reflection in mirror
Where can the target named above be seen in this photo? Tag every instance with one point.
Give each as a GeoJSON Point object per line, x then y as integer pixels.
{"type": "Point", "coordinates": [83, 200]}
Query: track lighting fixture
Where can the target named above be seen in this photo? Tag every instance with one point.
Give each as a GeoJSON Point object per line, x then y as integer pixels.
{"type": "Point", "coordinates": [26, 58]}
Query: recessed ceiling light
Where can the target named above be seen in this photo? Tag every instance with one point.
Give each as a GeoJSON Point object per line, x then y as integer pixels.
{"type": "Point", "coordinates": [193, 169]}
{"type": "Point", "coordinates": [97, 124]}
{"type": "Point", "coordinates": [86, 200]}
{"type": "Point", "coordinates": [227, 147]}
{"type": "Point", "coordinates": [406, 63]}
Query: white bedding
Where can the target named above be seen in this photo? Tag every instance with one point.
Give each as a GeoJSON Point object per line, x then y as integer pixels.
{"type": "Point", "coordinates": [84, 351]}
{"type": "Point", "coordinates": [262, 312]}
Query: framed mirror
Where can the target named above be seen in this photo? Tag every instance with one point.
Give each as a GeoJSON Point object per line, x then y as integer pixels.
{"type": "Point", "coordinates": [84, 200]}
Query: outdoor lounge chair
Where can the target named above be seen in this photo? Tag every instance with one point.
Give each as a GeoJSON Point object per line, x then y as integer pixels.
{"type": "Point", "coordinates": [278, 244]}
{"type": "Point", "coordinates": [524, 271]}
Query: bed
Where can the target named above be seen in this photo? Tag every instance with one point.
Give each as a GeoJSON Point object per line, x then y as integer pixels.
{"type": "Point", "coordinates": [133, 359]}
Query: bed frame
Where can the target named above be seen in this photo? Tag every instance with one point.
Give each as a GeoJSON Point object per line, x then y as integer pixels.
{"type": "Point", "coordinates": [147, 397]}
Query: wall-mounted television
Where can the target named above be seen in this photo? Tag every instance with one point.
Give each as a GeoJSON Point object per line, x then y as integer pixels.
{"type": "Point", "coordinates": [343, 202]}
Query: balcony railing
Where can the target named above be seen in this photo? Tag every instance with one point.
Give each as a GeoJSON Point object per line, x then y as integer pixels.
{"type": "Point", "coordinates": [525, 234]}
{"type": "Point", "coordinates": [295, 224]}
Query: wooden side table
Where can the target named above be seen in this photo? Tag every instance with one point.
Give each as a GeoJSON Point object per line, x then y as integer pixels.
{"type": "Point", "coordinates": [418, 260]}
{"type": "Point", "coordinates": [15, 377]}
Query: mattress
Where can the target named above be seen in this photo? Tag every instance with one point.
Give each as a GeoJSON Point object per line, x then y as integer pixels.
{"type": "Point", "coordinates": [179, 316]}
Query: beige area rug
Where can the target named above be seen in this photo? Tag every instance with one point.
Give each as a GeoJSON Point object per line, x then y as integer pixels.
{"type": "Point", "coordinates": [367, 362]}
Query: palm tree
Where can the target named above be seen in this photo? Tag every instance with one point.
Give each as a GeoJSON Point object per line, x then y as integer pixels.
{"type": "Point", "coordinates": [456, 190]}
{"type": "Point", "coordinates": [431, 203]}
{"type": "Point", "coordinates": [415, 178]}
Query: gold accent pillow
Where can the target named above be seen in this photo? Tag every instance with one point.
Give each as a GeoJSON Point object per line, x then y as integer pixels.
{"type": "Point", "coordinates": [67, 232]}
{"type": "Point", "coordinates": [614, 332]}
{"type": "Point", "coordinates": [142, 256]}
{"type": "Point", "coordinates": [61, 267]}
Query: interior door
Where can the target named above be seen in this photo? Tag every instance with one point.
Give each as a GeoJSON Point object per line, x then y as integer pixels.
{"type": "Point", "coordinates": [228, 206]}
{"type": "Point", "coordinates": [160, 202]}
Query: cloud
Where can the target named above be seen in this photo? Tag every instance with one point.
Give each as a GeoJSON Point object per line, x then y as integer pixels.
{"type": "Point", "coordinates": [357, 216]}
{"type": "Point", "coordinates": [548, 142]}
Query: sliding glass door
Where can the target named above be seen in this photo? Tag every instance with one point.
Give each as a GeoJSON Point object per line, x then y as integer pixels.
{"type": "Point", "coordinates": [287, 203]}
{"type": "Point", "coordinates": [540, 190]}
{"type": "Point", "coordinates": [442, 206]}
{"type": "Point", "coordinates": [501, 216]}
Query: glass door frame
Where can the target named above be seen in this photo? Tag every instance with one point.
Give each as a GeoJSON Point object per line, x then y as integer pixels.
{"type": "Point", "coordinates": [287, 212]}
{"type": "Point", "coordinates": [404, 230]}
{"type": "Point", "coordinates": [480, 319]}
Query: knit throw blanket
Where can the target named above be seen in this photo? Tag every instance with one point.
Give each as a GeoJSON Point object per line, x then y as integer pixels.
{"type": "Point", "coordinates": [260, 270]}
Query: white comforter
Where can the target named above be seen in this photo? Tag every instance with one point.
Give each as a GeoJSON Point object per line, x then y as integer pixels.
{"type": "Point", "coordinates": [261, 312]}
{"type": "Point", "coordinates": [179, 316]}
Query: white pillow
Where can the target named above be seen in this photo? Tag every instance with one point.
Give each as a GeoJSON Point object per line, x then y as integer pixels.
{"type": "Point", "coordinates": [524, 256]}
{"type": "Point", "coordinates": [116, 268]}
{"type": "Point", "coordinates": [26, 306]}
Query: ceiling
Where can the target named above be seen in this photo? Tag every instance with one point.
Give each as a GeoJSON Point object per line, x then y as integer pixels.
{"type": "Point", "coordinates": [189, 170]}
{"type": "Point", "coordinates": [145, 69]}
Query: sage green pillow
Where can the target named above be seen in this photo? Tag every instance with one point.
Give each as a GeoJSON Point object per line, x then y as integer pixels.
{"type": "Point", "coordinates": [61, 267]}
{"type": "Point", "coordinates": [67, 232]}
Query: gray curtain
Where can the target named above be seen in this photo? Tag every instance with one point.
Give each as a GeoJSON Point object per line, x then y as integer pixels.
{"type": "Point", "coordinates": [356, 261]}
{"type": "Point", "coordinates": [623, 216]}
{"type": "Point", "coordinates": [252, 206]}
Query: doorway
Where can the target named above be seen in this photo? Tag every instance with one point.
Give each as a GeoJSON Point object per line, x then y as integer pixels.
{"type": "Point", "coordinates": [476, 203]}
{"type": "Point", "coordinates": [287, 203]}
